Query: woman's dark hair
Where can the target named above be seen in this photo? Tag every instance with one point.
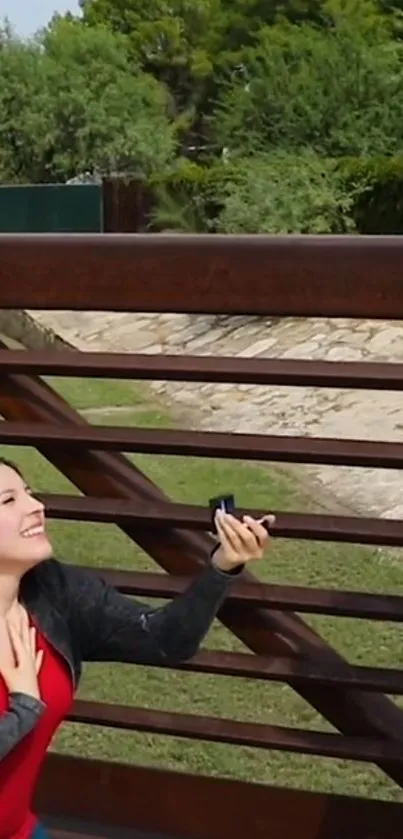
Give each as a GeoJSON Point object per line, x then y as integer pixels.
{"type": "Point", "coordinates": [11, 465]}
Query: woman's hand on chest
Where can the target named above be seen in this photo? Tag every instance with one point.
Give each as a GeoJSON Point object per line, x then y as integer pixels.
{"type": "Point", "coordinates": [20, 662]}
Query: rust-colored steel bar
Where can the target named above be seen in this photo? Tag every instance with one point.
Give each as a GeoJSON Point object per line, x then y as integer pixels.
{"type": "Point", "coordinates": [258, 371]}
{"type": "Point", "coordinates": [300, 671]}
{"type": "Point", "coordinates": [347, 604]}
{"type": "Point", "coordinates": [327, 528]}
{"type": "Point", "coordinates": [266, 632]}
{"type": "Point", "coordinates": [210, 807]}
{"type": "Point", "coordinates": [263, 447]}
{"type": "Point", "coordinates": [328, 276]}
{"type": "Point", "coordinates": [219, 730]}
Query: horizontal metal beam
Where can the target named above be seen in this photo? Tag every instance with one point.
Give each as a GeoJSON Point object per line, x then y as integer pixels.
{"type": "Point", "coordinates": [263, 447]}
{"type": "Point", "coordinates": [210, 807]}
{"type": "Point", "coordinates": [331, 276]}
{"type": "Point", "coordinates": [296, 672]}
{"type": "Point", "coordinates": [322, 528]}
{"type": "Point", "coordinates": [258, 371]}
{"type": "Point", "coordinates": [257, 735]}
{"type": "Point", "coordinates": [348, 604]}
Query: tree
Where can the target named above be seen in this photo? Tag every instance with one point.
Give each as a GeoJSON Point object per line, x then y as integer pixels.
{"type": "Point", "coordinates": [337, 92]}
{"type": "Point", "coordinates": [176, 41]}
{"type": "Point", "coordinates": [25, 131]}
{"type": "Point", "coordinates": [192, 46]}
{"type": "Point", "coordinates": [71, 101]}
{"type": "Point", "coordinates": [284, 193]}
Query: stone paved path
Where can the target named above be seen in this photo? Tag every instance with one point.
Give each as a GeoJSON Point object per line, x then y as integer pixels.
{"type": "Point", "coordinates": [277, 410]}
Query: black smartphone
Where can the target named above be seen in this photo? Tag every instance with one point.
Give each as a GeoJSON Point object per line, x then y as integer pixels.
{"type": "Point", "coordinates": [226, 503]}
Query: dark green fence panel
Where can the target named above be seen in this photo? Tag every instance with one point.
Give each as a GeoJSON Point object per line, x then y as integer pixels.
{"type": "Point", "coordinates": [51, 208]}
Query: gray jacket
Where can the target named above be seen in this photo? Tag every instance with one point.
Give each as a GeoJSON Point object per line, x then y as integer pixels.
{"type": "Point", "coordinates": [86, 620]}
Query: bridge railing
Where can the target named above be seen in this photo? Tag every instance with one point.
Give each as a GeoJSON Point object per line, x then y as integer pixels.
{"type": "Point", "coordinates": [272, 276]}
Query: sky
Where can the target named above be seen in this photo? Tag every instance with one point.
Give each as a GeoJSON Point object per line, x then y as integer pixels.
{"type": "Point", "coordinates": [27, 16]}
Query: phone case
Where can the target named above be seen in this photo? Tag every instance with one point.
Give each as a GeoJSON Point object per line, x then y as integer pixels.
{"type": "Point", "coordinates": [221, 502]}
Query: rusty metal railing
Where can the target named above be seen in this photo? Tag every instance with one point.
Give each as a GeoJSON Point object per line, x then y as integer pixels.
{"type": "Point", "coordinates": [299, 276]}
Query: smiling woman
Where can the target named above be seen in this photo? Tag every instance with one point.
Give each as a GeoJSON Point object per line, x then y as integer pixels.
{"type": "Point", "coordinates": [53, 617]}
{"type": "Point", "coordinates": [23, 536]}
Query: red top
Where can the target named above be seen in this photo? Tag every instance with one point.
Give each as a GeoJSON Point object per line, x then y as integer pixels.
{"type": "Point", "coordinates": [20, 768]}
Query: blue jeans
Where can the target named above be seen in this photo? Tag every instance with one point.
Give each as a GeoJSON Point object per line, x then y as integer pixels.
{"type": "Point", "coordinates": [40, 833]}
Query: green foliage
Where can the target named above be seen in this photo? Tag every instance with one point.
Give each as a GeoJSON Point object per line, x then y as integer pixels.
{"type": "Point", "coordinates": [285, 193]}
{"type": "Point", "coordinates": [281, 193]}
{"type": "Point", "coordinates": [70, 102]}
{"type": "Point", "coordinates": [233, 114]}
{"type": "Point", "coordinates": [378, 186]}
{"type": "Point", "coordinates": [179, 199]}
{"type": "Point", "coordinates": [174, 41]}
{"type": "Point", "coordinates": [108, 114]}
{"type": "Point", "coordinates": [338, 94]}
{"type": "Point", "coordinates": [25, 132]}
{"type": "Point", "coordinates": [193, 46]}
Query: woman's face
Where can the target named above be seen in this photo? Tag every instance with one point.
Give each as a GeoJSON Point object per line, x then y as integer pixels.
{"type": "Point", "coordinates": [23, 539]}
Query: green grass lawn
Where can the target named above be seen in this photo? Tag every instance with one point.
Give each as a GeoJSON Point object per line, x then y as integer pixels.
{"type": "Point", "coordinates": [194, 480]}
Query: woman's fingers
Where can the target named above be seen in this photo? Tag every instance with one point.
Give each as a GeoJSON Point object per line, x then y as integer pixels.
{"type": "Point", "coordinates": [39, 661]}
{"type": "Point", "coordinates": [22, 637]}
{"type": "Point", "coordinates": [233, 530]}
{"type": "Point", "coordinates": [32, 638]}
{"type": "Point", "coordinates": [256, 526]}
{"type": "Point", "coordinates": [243, 540]}
{"type": "Point", "coordinates": [25, 631]}
{"type": "Point", "coordinates": [16, 642]}
{"type": "Point", "coordinates": [222, 535]}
